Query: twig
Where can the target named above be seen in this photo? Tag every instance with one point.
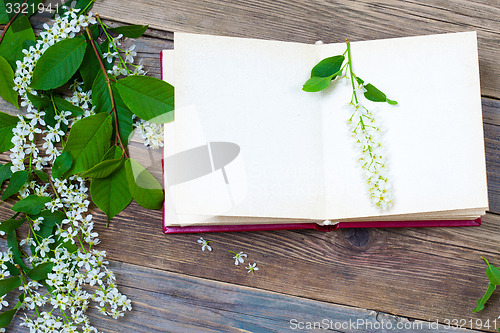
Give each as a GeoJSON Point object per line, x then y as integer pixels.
{"type": "Point", "coordinates": [113, 105]}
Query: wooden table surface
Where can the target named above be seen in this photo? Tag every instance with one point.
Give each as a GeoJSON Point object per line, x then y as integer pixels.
{"type": "Point", "coordinates": [378, 275]}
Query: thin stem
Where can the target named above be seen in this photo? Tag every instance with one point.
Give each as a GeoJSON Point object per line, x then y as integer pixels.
{"type": "Point", "coordinates": [113, 105]}
{"type": "Point", "coordinates": [349, 60]}
{"type": "Point", "coordinates": [10, 22]}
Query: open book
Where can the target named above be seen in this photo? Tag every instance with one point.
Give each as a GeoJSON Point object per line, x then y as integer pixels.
{"type": "Point", "coordinates": [249, 150]}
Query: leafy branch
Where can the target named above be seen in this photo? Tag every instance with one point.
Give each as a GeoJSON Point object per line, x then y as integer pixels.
{"type": "Point", "coordinates": [110, 90]}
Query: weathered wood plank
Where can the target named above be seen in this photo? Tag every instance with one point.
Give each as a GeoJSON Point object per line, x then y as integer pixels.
{"type": "Point", "coordinates": [169, 302]}
{"type": "Point", "coordinates": [308, 21]}
{"type": "Point", "coordinates": [428, 274]}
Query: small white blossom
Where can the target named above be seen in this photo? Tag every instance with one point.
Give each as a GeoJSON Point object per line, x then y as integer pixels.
{"type": "Point", "coordinates": [204, 244]}
{"type": "Point", "coordinates": [252, 267]}
{"type": "Point", "coordinates": [238, 257]}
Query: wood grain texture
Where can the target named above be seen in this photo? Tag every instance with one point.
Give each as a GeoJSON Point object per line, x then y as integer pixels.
{"type": "Point", "coordinates": [428, 274]}
{"type": "Point", "coordinates": [169, 302]}
{"type": "Point", "coordinates": [329, 21]}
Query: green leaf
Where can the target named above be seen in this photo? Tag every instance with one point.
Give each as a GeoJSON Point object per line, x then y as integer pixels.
{"type": "Point", "coordinates": [4, 18]}
{"type": "Point", "coordinates": [42, 175]}
{"type": "Point", "coordinates": [492, 273]}
{"type": "Point", "coordinates": [58, 63]}
{"type": "Point", "coordinates": [11, 224]}
{"type": "Point", "coordinates": [88, 141]}
{"type": "Point", "coordinates": [90, 66]}
{"type": "Point", "coordinates": [373, 94]}
{"type": "Point", "coordinates": [14, 246]}
{"type": "Point", "coordinates": [17, 181]}
{"type": "Point", "coordinates": [7, 83]}
{"type": "Point", "coordinates": [32, 204]}
{"type": "Point", "coordinates": [5, 172]}
{"type": "Point", "coordinates": [482, 301]}
{"type": "Point", "coordinates": [9, 284]}
{"type": "Point", "coordinates": [328, 67]}
{"type": "Point", "coordinates": [62, 164]}
{"type": "Point", "coordinates": [50, 220]}
{"type": "Point", "coordinates": [317, 83]}
{"type": "Point", "coordinates": [360, 81]}
{"type": "Point", "coordinates": [11, 47]}
{"type": "Point", "coordinates": [103, 169]}
{"type": "Point", "coordinates": [111, 194]}
{"type": "Point", "coordinates": [100, 94]}
{"type": "Point", "coordinates": [40, 272]}
{"type": "Point", "coordinates": [144, 188]}
{"type": "Point", "coordinates": [38, 101]}
{"type": "Point", "coordinates": [390, 101]}
{"type": "Point", "coordinates": [7, 123]}
{"type": "Point", "coordinates": [125, 122]}
{"type": "Point", "coordinates": [148, 98]}
{"type": "Point", "coordinates": [49, 117]}
{"type": "Point", "coordinates": [64, 105]}
{"type": "Point", "coordinates": [6, 317]}
{"type": "Point", "coordinates": [131, 31]}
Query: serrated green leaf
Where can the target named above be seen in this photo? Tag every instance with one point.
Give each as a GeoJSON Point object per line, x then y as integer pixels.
{"type": "Point", "coordinates": [317, 83]}
{"type": "Point", "coordinates": [11, 47]}
{"type": "Point", "coordinates": [88, 141]}
{"type": "Point", "coordinates": [17, 181]}
{"type": "Point", "coordinates": [32, 204]}
{"type": "Point", "coordinates": [58, 63]}
{"type": "Point", "coordinates": [5, 172]}
{"type": "Point", "coordinates": [7, 123]}
{"type": "Point", "coordinates": [11, 224]}
{"type": "Point", "coordinates": [373, 94]}
{"type": "Point", "coordinates": [40, 272]}
{"type": "Point", "coordinates": [112, 194]}
{"type": "Point", "coordinates": [144, 188]}
{"type": "Point", "coordinates": [64, 105]}
{"type": "Point", "coordinates": [100, 94]}
{"type": "Point", "coordinates": [482, 301]}
{"type": "Point", "coordinates": [9, 284]}
{"type": "Point", "coordinates": [148, 98]}
{"type": "Point", "coordinates": [328, 67]}
{"type": "Point", "coordinates": [62, 164]}
{"type": "Point", "coordinates": [125, 122]}
{"type": "Point", "coordinates": [103, 169]}
{"type": "Point", "coordinates": [42, 175]}
{"type": "Point", "coordinates": [7, 83]}
{"type": "Point", "coordinates": [131, 31]}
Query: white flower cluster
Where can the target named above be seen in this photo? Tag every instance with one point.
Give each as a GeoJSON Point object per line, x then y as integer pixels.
{"type": "Point", "coordinates": [151, 133]}
{"type": "Point", "coordinates": [78, 276]}
{"type": "Point", "coordinates": [368, 139]}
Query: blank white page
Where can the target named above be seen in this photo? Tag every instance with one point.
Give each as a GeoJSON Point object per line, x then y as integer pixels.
{"type": "Point", "coordinates": [248, 92]}
{"type": "Point", "coordinates": [434, 137]}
